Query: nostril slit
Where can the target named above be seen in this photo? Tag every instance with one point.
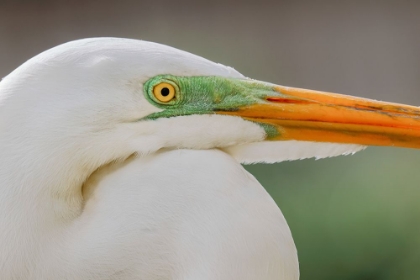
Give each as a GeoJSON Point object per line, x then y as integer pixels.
{"type": "Point", "coordinates": [287, 100]}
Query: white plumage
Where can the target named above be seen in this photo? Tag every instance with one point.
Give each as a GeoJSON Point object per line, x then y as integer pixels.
{"type": "Point", "coordinates": [76, 203]}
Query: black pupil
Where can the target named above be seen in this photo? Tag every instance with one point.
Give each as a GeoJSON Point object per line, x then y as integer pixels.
{"type": "Point", "coordinates": [165, 91]}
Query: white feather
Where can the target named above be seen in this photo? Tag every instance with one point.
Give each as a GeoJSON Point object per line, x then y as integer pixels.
{"type": "Point", "coordinates": [277, 151]}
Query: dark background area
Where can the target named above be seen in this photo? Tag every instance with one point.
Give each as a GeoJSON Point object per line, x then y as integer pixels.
{"type": "Point", "coordinates": [353, 217]}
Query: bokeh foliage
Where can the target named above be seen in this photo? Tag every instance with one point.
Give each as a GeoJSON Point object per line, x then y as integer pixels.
{"type": "Point", "coordinates": [353, 217]}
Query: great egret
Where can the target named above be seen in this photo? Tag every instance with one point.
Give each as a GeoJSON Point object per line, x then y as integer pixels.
{"type": "Point", "coordinates": [120, 159]}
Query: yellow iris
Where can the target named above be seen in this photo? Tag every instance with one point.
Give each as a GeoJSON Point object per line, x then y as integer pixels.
{"type": "Point", "coordinates": [164, 92]}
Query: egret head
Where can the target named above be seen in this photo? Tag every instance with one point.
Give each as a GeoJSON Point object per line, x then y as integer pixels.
{"type": "Point", "coordinates": [116, 97]}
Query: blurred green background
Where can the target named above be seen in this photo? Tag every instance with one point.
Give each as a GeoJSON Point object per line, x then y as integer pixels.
{"type": "Point", "coordinates": [353, 217]}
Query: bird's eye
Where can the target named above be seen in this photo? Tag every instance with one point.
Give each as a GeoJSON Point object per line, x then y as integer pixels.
{"type": "Point", "coordinates": [164, 92]}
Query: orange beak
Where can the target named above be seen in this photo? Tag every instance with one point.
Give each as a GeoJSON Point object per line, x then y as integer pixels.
{"type": "Point", "coordinates": [306, 115]}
